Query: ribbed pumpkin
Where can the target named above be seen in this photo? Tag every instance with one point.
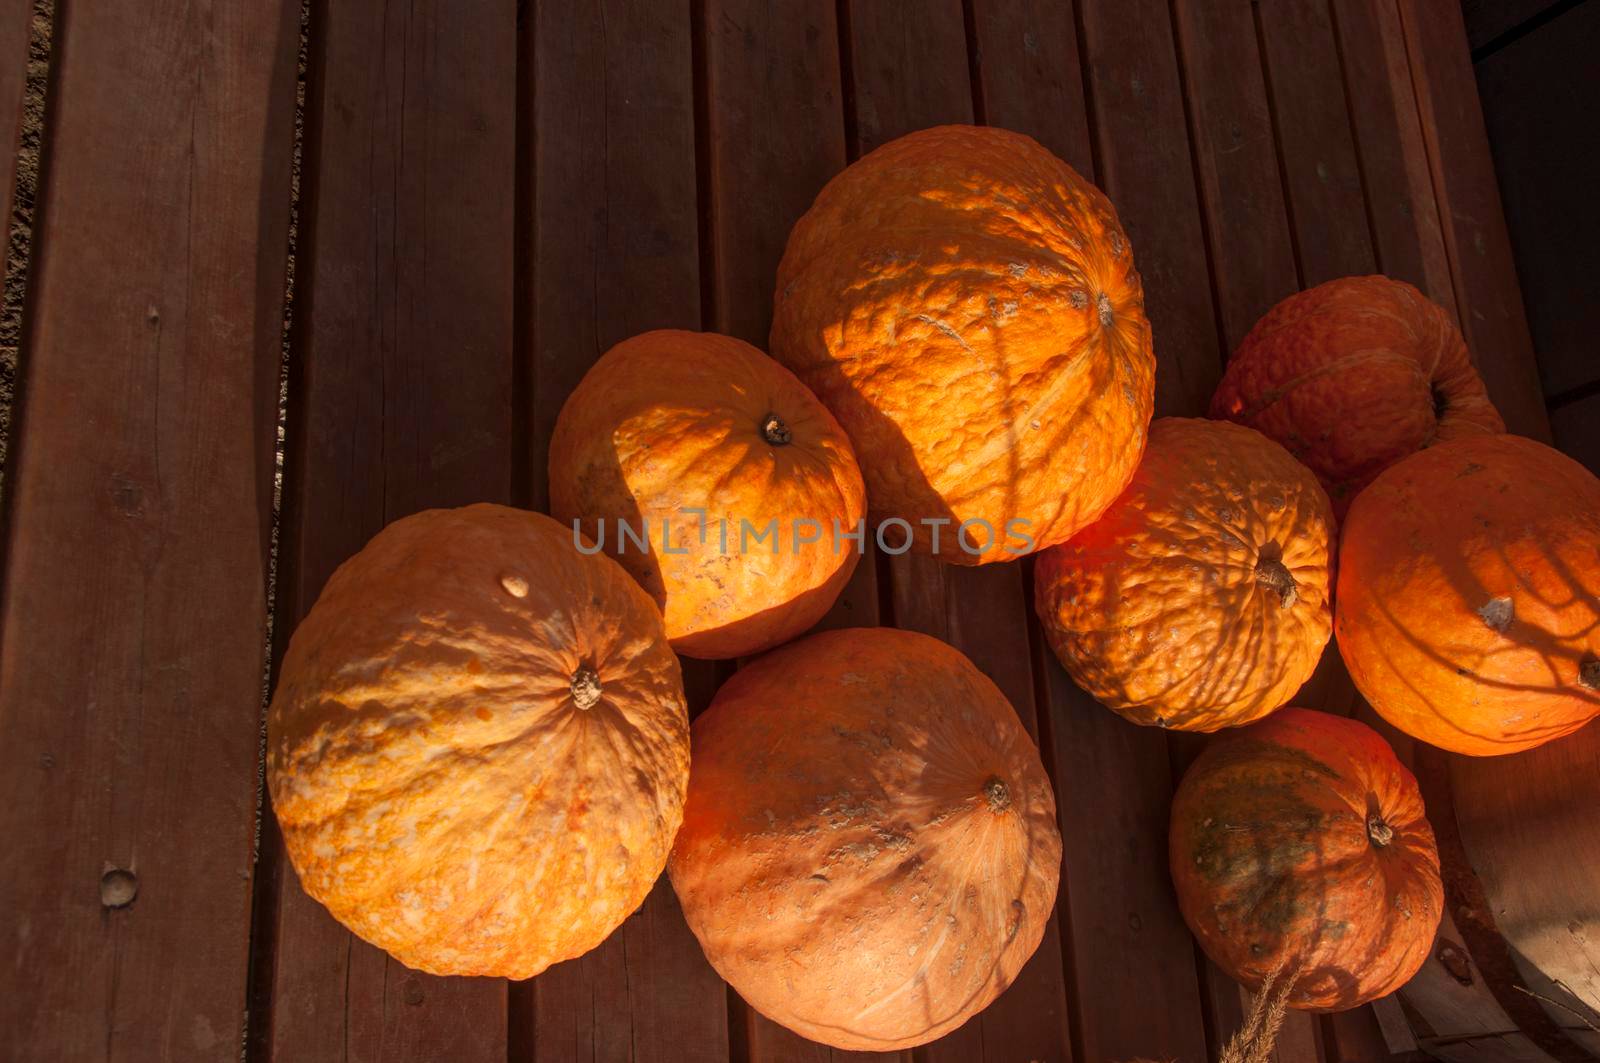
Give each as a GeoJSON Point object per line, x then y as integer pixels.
{"type": "Point", "coordinates": [869, 853]}
{"type": "Point", "coordinates": [703, 439]}
{"type": "Point", "coordinates": [1469, 595]}
{"type": "Point", "coordinates": [1200, 599]}
{"type": "Point", "coordinates": [1352, 376]}
{"type": "Point", "coordinates": [1300, 845]}
{"type": "Point", "coordinates": [478, 750]}
{"type": "Point", "coordinates": [967, 306]}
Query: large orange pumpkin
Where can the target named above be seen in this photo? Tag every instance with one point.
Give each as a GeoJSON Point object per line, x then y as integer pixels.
{"type": "Point", "coordinates": [478, 750]}
{"type": "Point", "coordinates": [1352, 376]}
{"type": "Point", "coordinates": [1469, 595]}
{"type": "Point", "coordinates": [869, 854]}
{"type": "Point", "coordinates": [729, 465]}
{"type": "Point", "coordinates": [1200, 599]}
{"type": "Point", "coordinates": [967, 306]}
{"type": "Point", "coordinates": [1299, 845]}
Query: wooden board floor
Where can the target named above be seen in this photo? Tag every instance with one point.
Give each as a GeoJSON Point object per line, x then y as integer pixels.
{"type": "Point", "coordinates": [490, 194]}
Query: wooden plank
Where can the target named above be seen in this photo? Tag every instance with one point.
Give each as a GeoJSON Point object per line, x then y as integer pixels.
{"type": "Point", "coordinates": [1401, 208]}
{"type": "Point", "coordinates": [15, 24]}
{"type": "Point", "coordinates": [132, 627]}
{"type": "Point", "coordinates": [1485, 278]}
{"type": "Point", "coordinates": [1321, 177]}
{"type": "Point", "coordinates": [1576, 427]}
{"type": "Point", "coordinates": [1355, 1036]}
{"type": "Point", "coordinates": [907, 67]}
{"type": "Point", "coordinates": [401, 401]}
{"type": "Point", "coordinates": [1236, 160]}
{"type": "Point", "coordinates": [615, 251]}
{"type": "Point", "coordinates": [1131, 979]}
{"type": "Point", "coordinates": [1487, 20]}
{"type": "Point", "coordinates": [1539, 95]}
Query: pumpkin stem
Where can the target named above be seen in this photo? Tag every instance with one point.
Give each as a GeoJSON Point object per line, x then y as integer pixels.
{"type": "Point", "coordinates": [998, 794]}
{"type": "Point", "coordinates": [585, 687]}
{"type": "Point", "coordinates": [775, 431]}
{"type": "Point", "coordinates": [1272, 572]}
{"type": "Point", "coordinates": [1589, 673]}
{"type": "Point", "coordinates": [1379, 831]}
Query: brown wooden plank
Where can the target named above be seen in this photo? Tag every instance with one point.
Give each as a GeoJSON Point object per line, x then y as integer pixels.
{"type": "Point", "coordinates": [15, 23]}
{"type": "Point", "coordinates": [907, 66]}
{"type": "Point", "coordinates": [133, 622]}
{"type": "Point", "coordinates": [1401, 209]}
{"type": "Point", "coordinates": [1131, 970]}
{"type": "Point", "coordinates": [1539, 96]}
{"type": "Point", "coordinates": [402, 401]}
{"type": "Point", "coordinates": [615, 251]}
{"type": "Point", "coordinates": [1317, 149]}
{"type": "Point", "coordinates": [1236, 160]}
{"type": "Point", "coordinates": [1487, 292]}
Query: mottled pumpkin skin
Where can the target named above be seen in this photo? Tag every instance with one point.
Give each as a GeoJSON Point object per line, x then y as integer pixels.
{"type": "Point", "coordinates": [439, 784]}
{"type": "Point", "coordinates": [1200, 599]}
{"type": "Point", "coordinates": [1301, 839]}
{"type": "Point", "coordinates": [1469, 595]}
{"type": "Point", "coordinates": [869, 854]}
{"type": "Point", "coordinates": [1352, 376]}
{"type": "Point", "coordinates": [671, 421]}
{"type": "Point", "coordinates": [967, 306]}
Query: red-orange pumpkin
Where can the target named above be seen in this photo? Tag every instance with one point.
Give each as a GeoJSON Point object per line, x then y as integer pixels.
{"type": "Point", "coordinates": [1299, 845]}
{"type": "Point", "coordinates": [1200, 599]}
{"type": "Point", "coordinates": [869, 853]}
{"type": "Point", "coordinates": [728, 465]}
{"type": "Point", "coordinates": [1352, 376]}
{"type": "Point", "coordinates": [478, 749]}
{"type": "Point", "coordinates": [966, 304]}
{"type": "Point", "coordinates": [1469, 595]}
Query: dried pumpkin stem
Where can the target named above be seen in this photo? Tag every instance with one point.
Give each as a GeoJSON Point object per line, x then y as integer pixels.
{"type": "Point", "coordinates": [775, 431]}
{"type": "Point", "coordinates": [1589, 672]}
{"type": "Point", "coordinates": [1272, 572]}
{"type": "Point", "coordinates": [1379, 831]}
{"type": "Point", "coordinates": [585, 687]}
{"type": "Point", "coordinates": [998, 794]}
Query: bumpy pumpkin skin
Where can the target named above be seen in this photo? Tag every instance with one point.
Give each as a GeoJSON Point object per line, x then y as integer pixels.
{"type": "Point", "coordinates": [670, 421]}
{"type": "Point", "coordinates": [1469, 595]}
{"type": "Point", "coordinates": [1352, 376]}
{"type": "Point", "coordinates": [1200, 599]}
{"type": "Point", "coordinates": [1301, 839]}
{"type": "Point", "coordinates": [869, 854]}
{"type": "Point", "coordinates": [450, 782]}
{"type": "Point", "coordinates": [967, 306]}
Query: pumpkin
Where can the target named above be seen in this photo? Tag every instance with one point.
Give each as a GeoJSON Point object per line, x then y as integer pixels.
{"type": "Point", "coordinates": [727, 465]}
{"type": "Point", "coordinates": [478, 749]}
{"type": "Point", "coordinates": [869, 853]}
{"type": "Point", "coordinates": [1469, 595]}
{"type": "Point", "coordinates": [1299, 848]}
{"type": "Point", "coordinates": [1200, 599]}
{"type": "Point", "coordinates": [967, 306]}
{"type": "Point", "coordinates": [1352, 376]}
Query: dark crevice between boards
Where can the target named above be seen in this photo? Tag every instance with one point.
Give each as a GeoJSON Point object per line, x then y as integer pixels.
{"type": "Point", "coordinates": [266, 855]}
{"type": "Point", "coordinates": [1039, 658]}
{"type": "Point", "coordinates": [1277, 144]}
{"type": "Point", "coordinates": [1090, 117]}
{"type": "Point", "coordinates": [1523, 28]}
{"type": "Point", "coordinates": [969, 21]}
{"type": "Point", "coordinates": [847, 83]}
{"type": "Point", "coordinates": [702, 165]}
{"type": "Point", "coordinates": [20, 226]}
{"type": "Point", "coordinates": [1572, 395]}
{"type": "Point", "coordinates": [521, 997]}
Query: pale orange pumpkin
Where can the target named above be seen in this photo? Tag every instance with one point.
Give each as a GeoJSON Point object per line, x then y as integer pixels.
{"type": "Point", "coordinates": [1200, 599]}
{"type": "Point", "coordinates": [1354, 375]}
{"type": "Point", "coordinates": [967, 306]}
{"type": "Point", "coordinates": [1469, 595]}
{"type": "Point", "coordinates": [728, 465]}
{"type": "Point", "coordinates": [478, 748]}
{"type": "Point", "coordinates": [869, 853]}
{"type": "Point", "coordinates": [1299, 846]}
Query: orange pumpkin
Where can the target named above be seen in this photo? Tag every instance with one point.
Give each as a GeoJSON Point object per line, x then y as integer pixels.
{"type": "Point", "coordinates": [1469, 595]}
{"type": "Point", "coordinates": [478, 750]}
{"type": "Point", "coordinates": [1352, 376]}
{"type": "Point", "coordinates": [1200, 599]}
{"type": "Point", "coordinates": [728, 465]}
{"type": "Point", "coordinates": [869, 853]}
{"type": "Point", "coordinates": [1299, 845]}
{"type": "Point", "coordinates": [967, 306]}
